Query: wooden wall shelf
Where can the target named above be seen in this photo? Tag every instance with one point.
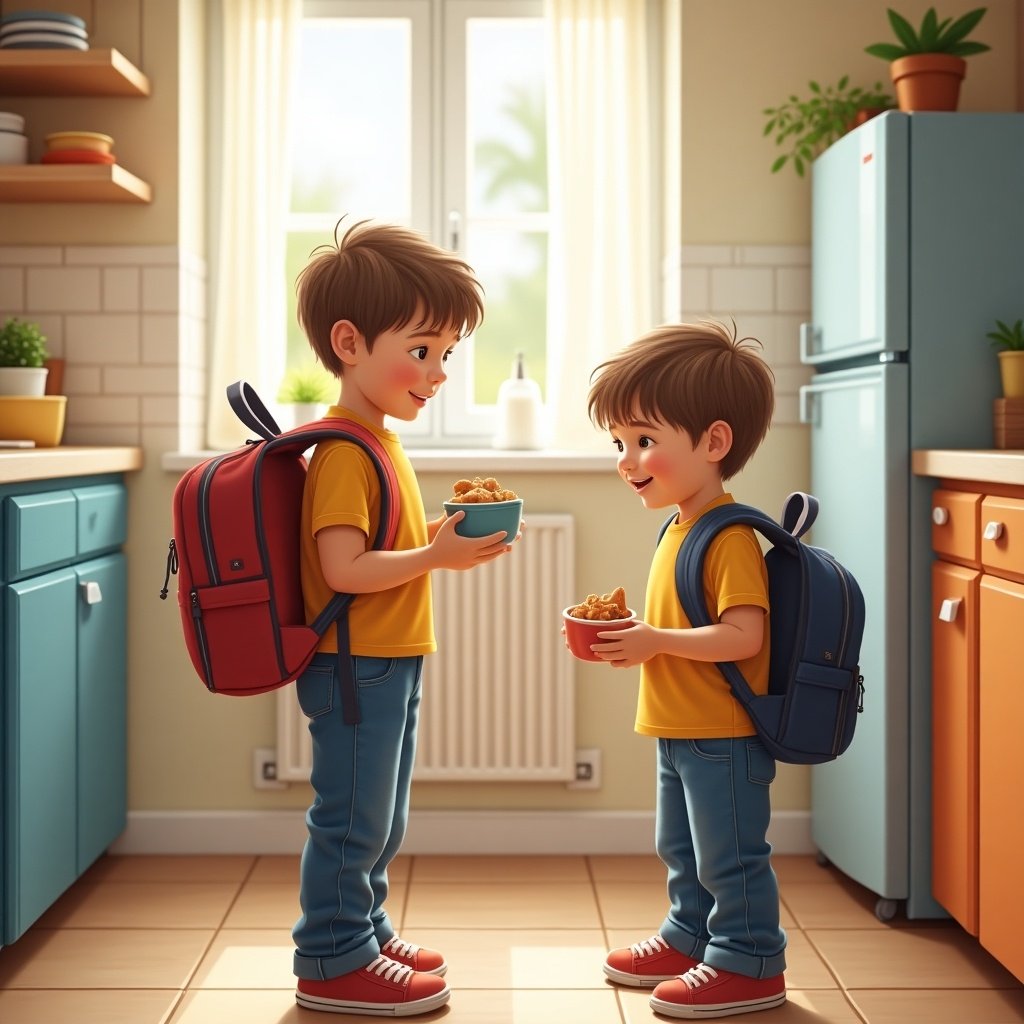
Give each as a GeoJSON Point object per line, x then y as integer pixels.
{"type": "Point", "coordinates": [71, 183]}
{"type": "Point", "coordinates": [70, 73]}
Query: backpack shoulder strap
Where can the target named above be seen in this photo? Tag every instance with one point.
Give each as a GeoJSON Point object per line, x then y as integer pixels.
{"type": "Point", "coordinates": [690, 570]}
{"type": "Point", "coordinates": [249, 408]}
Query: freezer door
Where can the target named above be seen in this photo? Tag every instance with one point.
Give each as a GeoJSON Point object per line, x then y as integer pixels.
{"type": "Point", "coordinates": [859, 473]}
{"type": "Point", "coordinates": [859, 250]}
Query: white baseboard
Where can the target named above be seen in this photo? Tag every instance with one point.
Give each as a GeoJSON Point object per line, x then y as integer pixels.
{"type": "Point", "coordinates": [430, 832]}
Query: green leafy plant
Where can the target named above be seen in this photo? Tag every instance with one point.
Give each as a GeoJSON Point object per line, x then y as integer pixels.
{"type": "Point", "coordinates": [1010, 338]}
{"type": "Point", "coordinates": [22, 344]}
{"type": "Point", "coordinates": [308, 384]}
{"type": "Point", "coordinates": [809, 126]}
{"type": "Point", "coordinates": [934, 36]}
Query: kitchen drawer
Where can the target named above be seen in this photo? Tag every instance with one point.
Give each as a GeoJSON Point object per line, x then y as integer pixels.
{"type": "Point", "coordinates": [955, 526]}
{"type": "Point", "coordinates": [102, 518]}
{"type": "Point", "coordinates": [40, 532]}
{"type": "Point", "coordinates": [1001, 528]}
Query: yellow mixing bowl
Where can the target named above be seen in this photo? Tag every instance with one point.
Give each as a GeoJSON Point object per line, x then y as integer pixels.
{"type": "Point", "coordinates": [39, 419]}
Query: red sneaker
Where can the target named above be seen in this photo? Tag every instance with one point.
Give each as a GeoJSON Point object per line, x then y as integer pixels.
{"type": "Point", "coordinates": [705, 991]}
{"type": "Point", "coordinates": [383, 987]}
{"type": "Point", "coordinates": [645, 964]}
{"type": "Point", "coordinates": [419, 958]}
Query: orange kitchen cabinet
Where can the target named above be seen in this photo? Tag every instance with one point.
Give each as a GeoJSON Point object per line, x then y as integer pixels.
{"type": "Point", "coordinates": [1002, 537]}
{"type": "Point", "coordinates": [955, 741]}
{"type": "Point", "coordinates": [1001, 770]}
{"type": "Point", "coordinates": [955, 526]}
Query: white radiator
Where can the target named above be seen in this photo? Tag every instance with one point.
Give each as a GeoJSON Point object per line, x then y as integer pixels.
{"type": "Point", "coordinates": [498, 696]}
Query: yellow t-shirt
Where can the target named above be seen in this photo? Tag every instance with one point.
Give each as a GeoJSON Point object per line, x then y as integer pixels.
{"type": "Point", "coordinates": [685, 699]}
{"type": "Point", "coordinates": [342, 489]}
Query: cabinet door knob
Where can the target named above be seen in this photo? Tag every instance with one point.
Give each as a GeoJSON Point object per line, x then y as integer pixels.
{"type": "Point", "coordinates": [949, 609]}
{"type": "Point", "coordinates": [993, 530]}
{"type": "Point", "coordinates": [940, 516]}
{"type": "Point", "coordinates": [90, 591]}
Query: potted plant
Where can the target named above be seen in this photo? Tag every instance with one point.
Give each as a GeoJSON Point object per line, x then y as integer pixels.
{"type": "Point", "coordinates": [810, 126]}
{"type": "Point", "coordinates": [927, 64]}
{"type": "Point", "coordinates": [22, 354]}
{"type": "Point", "coordinates": [306, 389]}
{"type": "Point", "coordinates": [1011, 359]}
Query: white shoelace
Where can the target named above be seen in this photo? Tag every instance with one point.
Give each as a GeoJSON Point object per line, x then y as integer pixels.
{"type": "Point", "coordinates": [392, 970]}
{"type": "Point", "coordinates": [399, 946]}
{"type": "Point", "coordinates": [699, 975]}
{"type": "Point", "coordinates": [655, 944]}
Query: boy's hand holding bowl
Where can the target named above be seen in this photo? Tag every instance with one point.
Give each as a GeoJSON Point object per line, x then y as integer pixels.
{"type": "Point", "coordinates": [488, 508]}
{"type": "Point", "coordinates": [598, 614]}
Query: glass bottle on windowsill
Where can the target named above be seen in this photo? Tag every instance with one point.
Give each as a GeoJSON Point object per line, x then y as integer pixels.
{"type": "Point", "coordinates": [520, 411]}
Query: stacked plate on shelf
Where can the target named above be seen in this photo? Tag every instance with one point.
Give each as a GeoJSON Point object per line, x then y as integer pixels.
{"type": "Point", "coordinates": [13, 141]}
{"type": "Point", "coordinates": [78, 148]}
{"type": "Point", "coordinates": [42, 30]}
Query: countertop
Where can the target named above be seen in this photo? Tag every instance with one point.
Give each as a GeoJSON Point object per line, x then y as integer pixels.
{"type": "Point", "coordinates": [987, 466]}
{"type": "Point", "coordinates": [17, 464]}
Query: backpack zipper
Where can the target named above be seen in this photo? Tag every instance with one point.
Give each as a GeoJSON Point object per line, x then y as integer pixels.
{"type": "Point", "coordinates": [197, 620]}
{"type": "Point", "coordinates": [204, 518]}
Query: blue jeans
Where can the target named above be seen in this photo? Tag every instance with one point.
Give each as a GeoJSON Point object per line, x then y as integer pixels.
{"type": "Point", "coordinates": [361, 778]}
{"type": "Point", "coordinates": [712, 819]}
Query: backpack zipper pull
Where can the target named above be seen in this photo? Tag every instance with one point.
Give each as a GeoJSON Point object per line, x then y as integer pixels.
{"type": "Point", "coordinates": [172, 567]}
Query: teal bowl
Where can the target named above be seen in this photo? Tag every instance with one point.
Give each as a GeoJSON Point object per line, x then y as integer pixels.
{"type": "Point", "coordinates": [487, 517]}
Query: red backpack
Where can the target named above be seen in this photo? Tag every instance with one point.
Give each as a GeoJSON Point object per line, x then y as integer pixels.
{"type": "Point", "coordinates": [236, 554]}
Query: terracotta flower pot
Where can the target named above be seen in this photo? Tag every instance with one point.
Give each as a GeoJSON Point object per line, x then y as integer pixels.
{"type": "Point", "coordinates": [1011, 370]}
{"type": "Point", "coordinates": [928, 81]}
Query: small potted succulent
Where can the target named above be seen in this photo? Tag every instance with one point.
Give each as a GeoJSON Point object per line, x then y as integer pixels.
{"type": "Point", "coordinates": [307, 389]}
{"type": "Point", "coordinates": [807, 127]}
{"type": "Point", "coordinates": [927, 64]}
{"type": "Point", "coordinates": [22, 355]}
{"type": "Point", "coordinates": [1010, 339]}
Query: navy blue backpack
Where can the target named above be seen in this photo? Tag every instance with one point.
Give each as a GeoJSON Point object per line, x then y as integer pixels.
{"type": "Point", "coordinates": [815, 689]}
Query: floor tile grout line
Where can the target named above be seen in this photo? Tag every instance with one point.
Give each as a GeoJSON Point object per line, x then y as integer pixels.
{"type": "Point", "coordinates": [217, 930]}
{"type": "Point", "coordinates": [835, 974]}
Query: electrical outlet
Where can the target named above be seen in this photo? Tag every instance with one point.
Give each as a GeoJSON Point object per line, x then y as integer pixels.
{"type": "Point", "coordinates": [588, 770]}
{"type": "Point", "coordinates": [264, 769]}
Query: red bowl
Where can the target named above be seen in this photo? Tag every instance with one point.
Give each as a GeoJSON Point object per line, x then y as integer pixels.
{"type": "Point", "coordinates": [581, 633]}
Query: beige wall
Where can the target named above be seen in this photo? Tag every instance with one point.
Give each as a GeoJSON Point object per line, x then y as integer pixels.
{"type": "Point", "coordinates": [741, 56]}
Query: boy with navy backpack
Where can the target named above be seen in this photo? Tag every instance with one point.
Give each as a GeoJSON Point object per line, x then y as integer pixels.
{"type": "Point", "coordinates": [383, 310]}
{"type": "Point", "coordinates": [687, 406]}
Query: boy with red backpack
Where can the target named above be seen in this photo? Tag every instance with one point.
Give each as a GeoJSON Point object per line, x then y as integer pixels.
{"type": "Point", "coordinates": [383, 310]}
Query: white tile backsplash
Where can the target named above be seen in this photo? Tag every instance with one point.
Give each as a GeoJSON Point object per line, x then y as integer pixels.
{"type": "Point", "coordinates": [130, 321]}
{"type": "Point", "coordinates": [766, 289]}
{"type": "Point", "coordinates": [104, 338]}
{"type": "Point", "coordinates": [122, 289]}
{"type": "Point", "coordinates": [12, 290]}
{"type": "Point", "coordinates": [63, 289]}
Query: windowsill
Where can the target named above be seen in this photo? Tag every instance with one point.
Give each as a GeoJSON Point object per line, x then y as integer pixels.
{"type": "Point", "coordinates": [458, 460]}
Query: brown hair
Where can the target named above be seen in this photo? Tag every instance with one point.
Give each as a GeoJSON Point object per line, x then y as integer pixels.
{"type": "Point", "coordinates": [687, 376]}
{"type": "Point", "coordinates": [377, 276]}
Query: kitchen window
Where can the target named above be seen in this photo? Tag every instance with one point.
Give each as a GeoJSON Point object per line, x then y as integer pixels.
{"type": "Point", "coordinates": [432, 114]}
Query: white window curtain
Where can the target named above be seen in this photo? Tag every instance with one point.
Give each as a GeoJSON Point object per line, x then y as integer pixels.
{"type": "Point", "coordinates": [256, 42]}
{"type": "Point", "coordinates": [600, 279]}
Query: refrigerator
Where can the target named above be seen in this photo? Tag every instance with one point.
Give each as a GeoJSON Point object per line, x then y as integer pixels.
{"type": "Point", "coordinates": [917, 248]}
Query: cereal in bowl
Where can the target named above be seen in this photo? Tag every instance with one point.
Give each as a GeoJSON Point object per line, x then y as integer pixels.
{"type": "Point", "coordinates": [602, 608]}
{"type": "Point", "coordinates": [477, 491]}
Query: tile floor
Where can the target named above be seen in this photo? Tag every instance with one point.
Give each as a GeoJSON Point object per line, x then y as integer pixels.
{"type": "Point", "coordinates": [205, 940]}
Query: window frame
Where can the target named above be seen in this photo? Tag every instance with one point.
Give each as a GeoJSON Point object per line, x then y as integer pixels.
{"type": "Point", "coordinates": [438, 127]}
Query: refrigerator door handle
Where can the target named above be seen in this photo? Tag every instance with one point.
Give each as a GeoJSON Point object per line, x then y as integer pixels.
{"type": "Point", "coordinates": [810, 341]}
{"type": "Point", "coordinates": [851, 380]}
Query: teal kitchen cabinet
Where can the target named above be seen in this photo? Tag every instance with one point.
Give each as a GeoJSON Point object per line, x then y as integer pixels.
{"type": "Point", "coordinates": [62, 716]}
